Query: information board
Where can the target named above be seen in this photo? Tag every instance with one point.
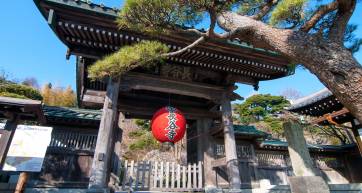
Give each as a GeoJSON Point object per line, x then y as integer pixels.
{"type": "Point", "coordinates": [28, 148]}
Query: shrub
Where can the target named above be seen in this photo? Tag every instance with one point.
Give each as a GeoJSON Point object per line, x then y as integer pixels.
{"type": "Point", "coordinates": [19, 91]}
{"type": "Point", "coordinates": [146, 141]}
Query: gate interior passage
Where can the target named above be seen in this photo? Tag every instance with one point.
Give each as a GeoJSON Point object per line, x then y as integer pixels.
{"type": "Point", "coordinates": [161, 176]}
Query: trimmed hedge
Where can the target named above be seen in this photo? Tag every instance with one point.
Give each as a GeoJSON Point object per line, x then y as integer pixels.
{"type": "Point", "coordinates": [19, 91]}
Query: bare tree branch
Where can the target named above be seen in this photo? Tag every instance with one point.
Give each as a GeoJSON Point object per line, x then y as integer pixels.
{"type": "Point", "coordinates": [195, 43]}
{"type": "Point", "coordinates": [265, 9]}
{"type": "Point", "coordinates": [345, 11]}
{"type": "Point", "coordinates": [319, 14]}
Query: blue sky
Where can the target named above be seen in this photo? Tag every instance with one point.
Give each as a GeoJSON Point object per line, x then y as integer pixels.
{"type": "Point", "coordinates": [28, 48]}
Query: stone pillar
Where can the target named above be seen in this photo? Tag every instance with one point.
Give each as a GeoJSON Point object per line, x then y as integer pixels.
{"type": "Point", "coordinates": [307, 177]}
{"type": "Point", "coordinates": [99, 175]}
{"type": "Point", "coordinates": [208, 156]}
{"type": "Point", "coordinates": [232, 163]}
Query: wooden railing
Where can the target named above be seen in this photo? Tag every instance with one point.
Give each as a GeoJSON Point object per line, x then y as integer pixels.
{"type": "Point", "coordinates": [161, 176]}
{"type": "Point", "coordinates": [243, 151]}
{"type": "Point", "coordinates": [73, 140]}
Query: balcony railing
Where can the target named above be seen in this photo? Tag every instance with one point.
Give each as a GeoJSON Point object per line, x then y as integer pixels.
{"type": "Point", "coordinates": [71, 140]}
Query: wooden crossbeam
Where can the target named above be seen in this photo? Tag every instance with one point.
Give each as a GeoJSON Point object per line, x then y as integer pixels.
{"type": "Point", "coordinates": [328, 117]}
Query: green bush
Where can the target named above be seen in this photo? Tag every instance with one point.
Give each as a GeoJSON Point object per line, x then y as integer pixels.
{"type": "Point", "coordinates": [275, 125]}
{"type": "Point", "coordinates": [12, 95]}
{"type": "Point", "coordinates": [145, 141]}
{"type": "Point", "coordinates": [19, 91]}
{"type": "Point", "coordinates": [137, 133]}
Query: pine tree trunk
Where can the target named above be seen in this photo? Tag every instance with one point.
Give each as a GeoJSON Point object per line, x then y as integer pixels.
{"type": "Point", "coordinates": [332, 63]}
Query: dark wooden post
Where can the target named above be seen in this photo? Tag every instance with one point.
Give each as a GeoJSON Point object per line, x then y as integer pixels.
{"type": "Point", "coordinates": [199, 125]}
{"type": "Point", "coordinates": [6, 138]}
{"type": "Point", "coordinates": [104, 148]}
{"type": "Point", "coordinates": [20, 186]}
{"type": "Point", "coordinates": [232, 163]}
{"type": "Point", "coordinates": [208, 157]}
{"type": "Point", "coordinates": [355, 126]}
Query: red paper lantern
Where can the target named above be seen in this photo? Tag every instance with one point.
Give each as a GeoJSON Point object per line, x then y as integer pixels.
{"type": "Point", "coordinates": [168, 125]}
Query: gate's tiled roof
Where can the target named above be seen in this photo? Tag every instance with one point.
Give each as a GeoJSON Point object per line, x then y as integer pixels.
{"type": "Point", "coordinates": [279, 144]}
{"type": "Point", "coordinates": [249, 130]}
{"type": "Point", "coordinates": [74, 113]}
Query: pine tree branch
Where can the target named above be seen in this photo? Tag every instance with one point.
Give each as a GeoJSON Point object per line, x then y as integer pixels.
{"type": "Point", "coordinates": [318, 15]}
{"type": "Point", "coordinates": [338, 28]}
{"type": "Point", "coordinates": [195, 43]}
{"type": "Point", "coordinates": [265, 9]}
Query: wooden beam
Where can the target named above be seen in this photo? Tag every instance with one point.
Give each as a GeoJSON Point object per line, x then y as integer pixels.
{"type": "Point", "coordinates": [137, 81]}
{"type": "Point", "coordinates": [232, 163]}
{"type": "Point", "coordinates": [328, 116]}
{"type": "Point", "coordinates": [147, 110]}
{"type": "Point", "coordinates": [99, 174]}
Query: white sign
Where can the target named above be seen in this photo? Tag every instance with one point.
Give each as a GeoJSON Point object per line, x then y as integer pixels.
{"type": "Point", "coordinates": [28, 148]}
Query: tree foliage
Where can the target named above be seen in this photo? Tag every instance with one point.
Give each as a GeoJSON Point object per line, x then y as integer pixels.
{"type": "Point", "coordinates": [10, 89]}
{"type": "Point", "coordinates": [143, 124]}
{"type": "Point", "coordinates": [58, 96]}
{"type": "Point", "coordinates": [289, 12]}
{"type": "Point", "coordinates": [143, 138]}
{"type": "Point", "coordinates": [144, 54]}
{"type": "Point", "coordinates": [261, 105]}
{"type": "Point", "coordinates": [262, 108]}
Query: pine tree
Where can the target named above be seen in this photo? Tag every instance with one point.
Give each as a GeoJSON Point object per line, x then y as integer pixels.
{"type": "Point", "coordinates": [315, 34]}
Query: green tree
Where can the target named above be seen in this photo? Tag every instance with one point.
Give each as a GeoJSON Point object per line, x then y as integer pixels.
{"type": "Point", "coordinates": [313, 33]}
{"type": "Point", "coordinates": [258, 106]}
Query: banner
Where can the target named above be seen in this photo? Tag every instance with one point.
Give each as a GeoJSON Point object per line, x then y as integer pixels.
{"type": "Point", "coordinates": [28, 148]}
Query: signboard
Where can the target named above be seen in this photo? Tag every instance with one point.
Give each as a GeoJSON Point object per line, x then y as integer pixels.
{"type": "Point", "coordinates": [28, 148]}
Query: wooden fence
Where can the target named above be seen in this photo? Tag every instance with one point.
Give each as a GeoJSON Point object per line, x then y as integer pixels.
{"type": "Point", "coordinates": [161, 176]}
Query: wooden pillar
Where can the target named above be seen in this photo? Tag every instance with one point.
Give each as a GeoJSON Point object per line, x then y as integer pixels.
{"type": "Point", "coordinates": [355, 129]}
{"type": "Point", "coordinates": [104, 147]}
{"type": "Point", "coordinates": [6, 138]}
{"type": "Point", "coordinates": [20, 186]}
{"type": "Point", "coordinates": [232, 163]}
{"type": "Point", "coordinates": [208, 154]}
{"type": "Point", "coordinates": [298, 151]}
{"type": "Point", "coordinates": [200, 139]}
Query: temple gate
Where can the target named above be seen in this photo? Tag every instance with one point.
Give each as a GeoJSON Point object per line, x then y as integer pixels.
{"type": "Point", "coordinates": [200, 82]}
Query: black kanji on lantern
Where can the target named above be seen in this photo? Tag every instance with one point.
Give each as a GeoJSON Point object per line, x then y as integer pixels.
{"type": "Point", "coordinates": [172, 127]}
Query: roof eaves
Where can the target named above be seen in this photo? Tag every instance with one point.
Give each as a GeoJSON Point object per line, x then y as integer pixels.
{"type": "Point", "coordinates": [310, 99]}
{"type": "Point", "coordinates": [87, 5]}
